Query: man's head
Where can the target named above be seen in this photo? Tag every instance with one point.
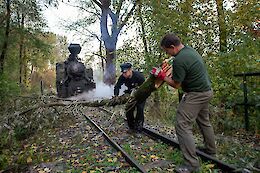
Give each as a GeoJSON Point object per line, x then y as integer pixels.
{"type": "Point", "coordinates": [126, 69]}
{"type": "Point", "coordinates": [171, 44]}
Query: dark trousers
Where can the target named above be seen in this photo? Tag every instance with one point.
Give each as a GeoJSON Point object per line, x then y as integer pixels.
{"type": "Point", "coordinates": [194, 106]}
{"type": "Point", "coordinates": [136, 122]}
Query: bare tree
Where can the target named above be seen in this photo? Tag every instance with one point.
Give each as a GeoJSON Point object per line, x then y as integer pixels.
{"type": "Point", "coordinates": [222, 26]}
{"type": "Point", "coordinates": [7, 31]}
{"type": "Point", "coordinates": [119, 11]}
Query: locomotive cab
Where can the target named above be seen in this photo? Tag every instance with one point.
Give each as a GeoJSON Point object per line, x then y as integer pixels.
{"type": "Point", "coordinates": [72, 77]}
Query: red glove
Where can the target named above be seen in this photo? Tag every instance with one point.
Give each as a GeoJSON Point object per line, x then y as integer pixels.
{"type": "Point", "coordinates": [158, 73]}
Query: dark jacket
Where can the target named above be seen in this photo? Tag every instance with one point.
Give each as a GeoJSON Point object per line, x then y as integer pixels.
{"type": "Point", "coordinates": [136, 80]}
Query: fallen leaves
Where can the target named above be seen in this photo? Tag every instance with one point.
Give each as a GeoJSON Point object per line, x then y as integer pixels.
{"type": "Point", "coordinates": [29, 160]}
{"type": "Point", "coordinates": [112, 159]}
{"type": "Point", "coordinates": [154, 157]}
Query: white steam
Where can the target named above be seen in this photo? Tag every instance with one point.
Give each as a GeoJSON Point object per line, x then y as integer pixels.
{"type": "Point", "coordinates": [102, 91]}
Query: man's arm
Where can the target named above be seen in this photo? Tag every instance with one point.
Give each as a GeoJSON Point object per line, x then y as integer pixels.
{"type": "Point", "coordinates": [172, 82]}
{"type": "Point", "coordinates": [140, 78]}
{"type": "Point", "coordinates": [118, 85]}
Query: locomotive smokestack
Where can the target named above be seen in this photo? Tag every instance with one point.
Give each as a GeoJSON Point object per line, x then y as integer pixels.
{"type": "Point", "coordinates": [74, 49]}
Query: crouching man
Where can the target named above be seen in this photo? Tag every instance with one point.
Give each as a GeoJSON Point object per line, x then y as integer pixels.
{"type": "Point", "coordinates": [131, 79]}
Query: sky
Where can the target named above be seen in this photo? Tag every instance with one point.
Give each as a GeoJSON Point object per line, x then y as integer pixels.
{"type": "Point", "coordinates": [64, 13]}
{"type": "Point", "coordinates": [56, 16]}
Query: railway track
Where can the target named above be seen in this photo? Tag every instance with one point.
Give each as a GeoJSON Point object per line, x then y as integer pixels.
{"type": "Point", "coordinates": [147, 152]}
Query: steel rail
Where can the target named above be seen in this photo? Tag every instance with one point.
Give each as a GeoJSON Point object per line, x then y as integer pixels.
{"type": "Point", "coordinates": [128, 158]}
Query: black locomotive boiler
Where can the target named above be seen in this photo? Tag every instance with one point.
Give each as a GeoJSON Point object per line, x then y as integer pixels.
{"type": "Point", "coordinates": [72, 77]}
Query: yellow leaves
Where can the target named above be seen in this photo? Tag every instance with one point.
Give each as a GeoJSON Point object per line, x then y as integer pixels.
{"type": "Point", "coordinates": [74, 155]}
{"type": "Point", "coordinates": [29, 160]}
{"type": "Point", "coordinates": [34, 147]}
{"type": "Point", "coordinates": [210, 166]}
{"type": "Point", "coordinates": [119, 154]}
{"type": "Point", "coordinates": [100, 160]}
{"type": "Point", "coordinates": [154, 157]}
{"type": "Point", "coordinates": [45, 170]}
{"type": "Point", "coordinates": [143, 156]}
{"type": "Point", "coordinates": [96, 170]}
{"type": "Point", "coordinates": [112, 160]}
{"type": "Point", "coordinates": [60, 159]}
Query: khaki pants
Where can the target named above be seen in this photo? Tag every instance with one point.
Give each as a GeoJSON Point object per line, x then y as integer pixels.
{"type": "Point", "coordinates": [194, 106]}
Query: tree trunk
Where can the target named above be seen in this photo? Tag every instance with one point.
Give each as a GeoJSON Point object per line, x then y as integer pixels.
{"type": "Point", "coordinates": [142, 28]}
{"type": "Point", "coordinates": [222, 26]}
{"type": "Point", "coordinates": [110, 44]}
{"type": "Point", "coordinates": [102, 59]}
{"type": "Point", "coordinates": [7, 31]}
{"type": "Point", "coordinates": [110, 70]}
{"type": "Point", "coordinates": [21, 51]}
{"type": "Point", "coordinates": [25, 70]}
{"type": "Point", "coordinates": [110, 38]}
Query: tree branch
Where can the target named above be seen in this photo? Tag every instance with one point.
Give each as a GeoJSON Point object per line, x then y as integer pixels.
{"type": "Point", "coordinates": [128, 15]}
{"type": "Point", "coordinates": [82, 8]}
{"type": "Point", "coordinates": [119, 7]}
{"type": "Point", "coordinates": [98, 3]}
{"type": "Point", "coordinates": [100, 55]}
{"type": "Point", "coordinates": [105, 102]}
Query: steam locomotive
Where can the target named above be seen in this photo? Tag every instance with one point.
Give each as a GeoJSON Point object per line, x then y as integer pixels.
{"type": "Point", "coordinates": [72, 77]}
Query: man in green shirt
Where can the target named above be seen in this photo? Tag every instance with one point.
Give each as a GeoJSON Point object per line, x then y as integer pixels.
{"type": "Point", "coordinates": [189, 73]}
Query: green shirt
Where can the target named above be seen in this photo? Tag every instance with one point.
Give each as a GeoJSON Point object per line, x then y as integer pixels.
{"type": "Point", "coordinates": [190, 70]}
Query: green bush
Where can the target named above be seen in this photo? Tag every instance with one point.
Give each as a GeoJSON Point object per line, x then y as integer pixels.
{"type": "Point", "coordinates": [4, 140]}
{"type": "Point", "coordinates": [21, 133]}
{"type": "Point", "coordinates": [8, 88]}
{"type": "Point", "coordinates": [3, 162]}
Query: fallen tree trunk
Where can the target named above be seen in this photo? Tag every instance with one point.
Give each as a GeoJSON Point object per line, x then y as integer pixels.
{"type": "Point", "coordinates": [105, 102]}
{"type": "Point", "coordinates": [140, 94]}
{"type": "Point", "coordinates": [149, 86]}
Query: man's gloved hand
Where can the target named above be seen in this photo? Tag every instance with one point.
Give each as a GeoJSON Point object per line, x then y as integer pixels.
{"type": "Point", "coordinates": [164, 64]}
{"type": "Point", "coordinates": [133, 91]}
{"type": "Point", "coordinates": [158, 73]}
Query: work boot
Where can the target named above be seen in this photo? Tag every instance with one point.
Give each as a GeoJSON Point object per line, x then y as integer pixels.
{"type": "Point", "coordinates": [138, 134]}
{"type": "Point", "coordinates": [187, 169]}
{"type": "Point", "coordinates": [130, 131]}
{"type": "Point", "coordinates": [139, 127]}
